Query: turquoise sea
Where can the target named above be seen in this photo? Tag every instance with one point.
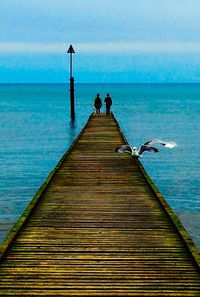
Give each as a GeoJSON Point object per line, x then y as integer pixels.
{"type": "Point", "coordinates": [36, 129]}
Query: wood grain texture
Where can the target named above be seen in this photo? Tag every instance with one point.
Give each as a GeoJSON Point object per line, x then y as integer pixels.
{"type": "Point", "coordinates": [98, 229]}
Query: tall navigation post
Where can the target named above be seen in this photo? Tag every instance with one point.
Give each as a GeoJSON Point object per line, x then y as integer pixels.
{"type": "Point", "coordinates": [71, 52]}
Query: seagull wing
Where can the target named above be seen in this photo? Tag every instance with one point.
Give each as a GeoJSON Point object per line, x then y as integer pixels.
{"type": "Point", "coordinates": [124, 149]}
{"type": "Point", "coordinates": [152, 141]}
{"type": "Point", "coordinates": [169, 144]}
{"type": "Point", "coordinates": [147, 148]}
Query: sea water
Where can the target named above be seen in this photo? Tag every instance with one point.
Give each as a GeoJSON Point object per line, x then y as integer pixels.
{"type": "Point", "coordinates": [36, 129]}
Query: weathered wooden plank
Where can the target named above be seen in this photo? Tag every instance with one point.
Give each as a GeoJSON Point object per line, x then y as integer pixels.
{"type": "Point", "coordinates": [101, 292]}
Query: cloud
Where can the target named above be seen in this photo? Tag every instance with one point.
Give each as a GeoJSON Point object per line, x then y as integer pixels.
{"type": "Point", "coordinates": [126, 48]}
{"type": "Point", "coordinates": [31, 48]}
{"type": "Point", "coordinates": [141, 47]}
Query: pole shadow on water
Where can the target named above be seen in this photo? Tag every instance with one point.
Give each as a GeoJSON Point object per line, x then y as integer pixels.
{"type": "Point", "coordinates": [73, 120]}
{"type": "Point", "coordinates": [72, 129]}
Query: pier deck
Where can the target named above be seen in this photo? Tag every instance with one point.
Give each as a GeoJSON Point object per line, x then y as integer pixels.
{"type": "Point", "coordinates": [98, 227]}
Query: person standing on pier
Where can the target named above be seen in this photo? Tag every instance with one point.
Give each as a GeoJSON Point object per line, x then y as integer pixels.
{"type": "Point", "coordinates": [98, 103]}
{"type": "Point", "coordinates": [108, 102]}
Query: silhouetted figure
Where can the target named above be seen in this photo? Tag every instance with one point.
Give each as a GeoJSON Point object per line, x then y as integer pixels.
{"type": "Point", "coordinates": [108, 101]}
{"type": "Point", "coordinates": [98, 103]}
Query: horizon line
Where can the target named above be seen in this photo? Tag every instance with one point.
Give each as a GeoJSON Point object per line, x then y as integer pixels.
{"type": "Point", "coordinates": [99, 83]}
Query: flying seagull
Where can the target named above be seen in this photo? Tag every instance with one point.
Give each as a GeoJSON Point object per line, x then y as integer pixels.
{"type": "Point", "coordinates": [126, 148]}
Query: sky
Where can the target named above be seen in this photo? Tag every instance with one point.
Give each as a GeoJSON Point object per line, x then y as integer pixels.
{"type": "Point", "coordinates": [115, 41]}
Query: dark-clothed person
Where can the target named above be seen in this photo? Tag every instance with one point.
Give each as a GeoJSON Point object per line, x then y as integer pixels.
{"type": "Point", "coordinates": [108, 102]}
{"type": "Point", "coordinates": [98, 104]}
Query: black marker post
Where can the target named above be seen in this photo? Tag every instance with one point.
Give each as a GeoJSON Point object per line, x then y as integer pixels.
{"type": "Point", "coordinates": [71, 51]}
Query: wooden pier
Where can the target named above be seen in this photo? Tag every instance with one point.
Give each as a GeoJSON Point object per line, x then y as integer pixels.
{"type": "Point", "coordinates": [99, 227]}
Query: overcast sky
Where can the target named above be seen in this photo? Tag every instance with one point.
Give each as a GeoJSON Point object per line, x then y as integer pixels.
{"type": "Point", "coordinates": [115, 40]}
